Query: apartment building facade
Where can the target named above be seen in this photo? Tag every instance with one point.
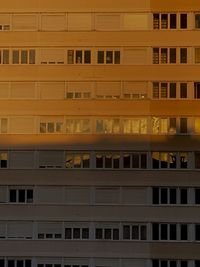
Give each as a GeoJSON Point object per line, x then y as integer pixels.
{"type": "Point", "coordinates": [99, 133]}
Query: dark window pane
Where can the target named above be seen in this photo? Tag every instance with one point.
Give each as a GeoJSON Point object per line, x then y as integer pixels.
{"type": "Point", "coordinates": [126, 232]}
{"type": "Point", "coordinates": [29, 195]}
{"type": "Point", "coordinates": [135, 160]}
{"type": "Point", "coordinates": [76, 233]}
{"type": "Point", "coordinates": [87, 57]}
{"type": "Point", "coordinates": [143, 230]}
{"type": "Point", "coordinates": [197, 263]}
{"type": "Point", "coordinates": [184, 232]}
{"type": "Point", "coordinates": [21, 196]}
{"type": "Point", "coordinates": [68, 233]}
{"type": "Point", "coordinates": [155, 231]}
{"type": "Point", "coordinates": [108, 161]}
{"type": "Point", "coordinates": [117, 57]}
{"type": "Point", "coordinates": [164, 196]}
{"type": "Point", "coordinates": [143, 161]}
{"type": "Point", "coordinates": [197, 90]}
{"type": "Point", "coordinates": [197, 196]}
{"type": "Point", "coordinates": [172, 195]}
{"type": "Point", "coordinates": [183, 55]}
{"type": "Point", "coordinates": [183, 90]}
{"type": "Point", "coordinates": [109, 57]}
{"type": "Point", "coordinates": [183, 125]}
{"type": "Point", "coordinates": [172, 21]}
{"type": "Point", "coordinates": [163, 264]}
{"type": "Point", "coordinates": [1, 263]}
{"type": "Point", "coordinates": [155, 55]}
{"type": "Point", "coordinates": [11, 263]}
{"type": "Point", "coordinates": [155, 195]}
{"type": "Point", "coordinates": [13, 195]}
{"type": "Point", "coordinates": [164, 21]}
{"type": "Point", "coordinates": [197, 232]}
{"type": "Point", "coordinates": [99, 233]}
{"type": "Point", "coordinates": [164, 232]}
{"type": "Point", "coordinates": [184, 264]}
{"type": "Point", "coordinates": [197, 160]}
{"type": "Point", "coordinates": [20, 263]}
{"type": "Point", "coordinates": [78, 56]}
{"type": "Point", "coordinates": [135, 232]}
{"type": "Point", "coordinates": [172, 264]}
{"type": "Point", "coordinates": [155, 263]}
{"type": "Point", "coordinates": [173, 234]}
{"type": "Point", "coordinates": [107, 233]}
{"type": "Point", "coordinates": [183, 19]}
{"type": "Point", "coordinates": [100, 57]}
{"type": "Point", "coordinates": [115, 234]}
{"type": "Point", "coordinates": [85, 233]}
{"type": "Point", "coordinates": [126, 161]}
{"type": "Point", "coordinates": [183, 160]}
{"type": "Point", "coordinates": [99, 161]}
{"type": "Point", "coordinates": [156, 21]}
{"type": "Point", "coordinates": [183, 196]}
{"type": "Point", "coordinates": [172, 55]}
{"type": "Point", "coordinates": [172, 90]}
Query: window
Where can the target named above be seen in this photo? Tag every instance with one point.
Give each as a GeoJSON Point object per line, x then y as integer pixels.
{"type": "Point", "coordinates": [76, 233]}
{"type": "Point", "coordinates": [79, 56]}
{"type": "Point", "coordinates": [21, 195]}
{"type": "Point", "coordinates": [197, 160]}
{"type": "Point", "coordinates": [23, 56]}
{"type": "Point", "coordinates": [134, 232]}
{"type": "Point", "coordinates": [168, 90]}
{"type": "Point", "coordinates": [197, 90]}
{"type": "Point", "coordinates": [108, 57]}
{"type": "Point", "coordinates": [3, 159]}
{"type": "Point", "coordinates": [51, 127]}
{"type": "Point", "coordinates": [134, 126]}
{"type": "Point", "coordinates": [168, 55]}
{"type": "Point", "coordinates": [172, 231]}
{"type": "Point", "coordinates": [108, 160]}
{"type": "Point", "coordinates": [197, 55]}
{"type": "Point", "coordinates": [4, 56]}
{"type": "Point", "coordinates": [197, 21]}
{"type": "Point", "coordinates": [134, 160]}
{"type": "Point", "coordinates": [183, 125]}
{"type": "Point", "coordinates": [164, 21]}
{"type": "Point", "coordinates": [108, 126]}
{"type": "Point", "coordinates": [172, 90]}
{"type": "Point", "coordinates": [183, 21]}
{"type": "Point", "coordinates": [183, 55]}
{"type": "Point", "coordinates": [107, 233]}
{"type": "Point", "coordinates": [19, 263]}
{"type": "Point", "coordinates": [170, 263]}
{"type": "Point", "coordinates": [77, 160]}
{"type": "Point", "coordinates": [78, 126]}
{"type": "Point", "coordinates": [163, 160]}
{"type": "Point", "coordinates": [197, 195]}
{"type": "Point", "coordinates": [183, 90]}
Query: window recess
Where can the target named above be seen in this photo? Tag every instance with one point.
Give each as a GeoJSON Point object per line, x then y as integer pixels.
{"type": "Point", "coordinates": [134, 232]}
{"type": "Point", "coordinates": [21, 195]}
{"type": "Point", "coordinates": [51, 126]}
{"type": "Point", "coordinates": [79, 56]}
{"type": "Point", "coordinates": [169, 160]}
{"type": "Point", "coordinates": [108, 56]}
{"type": "Point", "coordinates": [77, 160]}
{"type": "Point", "coordinates": [23, 56]}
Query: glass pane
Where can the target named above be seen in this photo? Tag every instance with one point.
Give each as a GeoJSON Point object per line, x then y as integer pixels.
{"type": "Point", "coordinates": [109, 57]}
{"type": "Point", "coordinates": [87, 57]}
{"type": "Point", "coordinates": [100, 59]}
